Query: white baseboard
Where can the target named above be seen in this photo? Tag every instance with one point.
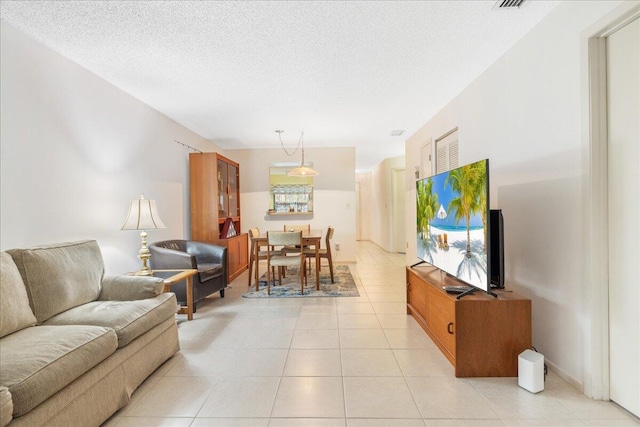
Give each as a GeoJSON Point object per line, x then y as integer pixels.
{"type": "Point", "coordinates": [565, 376]}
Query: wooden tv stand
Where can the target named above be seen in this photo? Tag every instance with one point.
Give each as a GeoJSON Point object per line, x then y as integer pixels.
{"type": "Point", "coordinates": [481, 336]}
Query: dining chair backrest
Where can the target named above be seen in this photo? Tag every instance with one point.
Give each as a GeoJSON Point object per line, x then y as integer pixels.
{"type": "Point", "coordinates": [284, 238]}
{"type": "Point", "coordinates": [304, 227]}
{"type": "Point", "coordinates": [329, 237]}
{"type": "Point", "coordinates": [254, 232]}
{"type": "Point", "coordinates": [280, 258]}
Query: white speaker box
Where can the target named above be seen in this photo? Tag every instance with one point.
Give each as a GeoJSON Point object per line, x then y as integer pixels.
{"type": "Point", "coordinates": [531, 371]}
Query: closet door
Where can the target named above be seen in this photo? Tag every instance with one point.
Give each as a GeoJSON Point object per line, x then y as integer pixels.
{"type": "Point", "coordinates": [447, 151]}
{"type": "Point", "coordinates": [623, 97]}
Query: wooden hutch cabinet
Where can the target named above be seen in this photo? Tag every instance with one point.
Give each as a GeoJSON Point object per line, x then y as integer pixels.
{"type": "Point", "coordinates": [215, 207]}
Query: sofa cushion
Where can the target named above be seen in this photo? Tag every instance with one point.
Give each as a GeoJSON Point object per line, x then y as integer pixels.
{"type": "Point", "coordinates": [15, 313]}
{"type": "Point", "coordinates": [208, 271]}
{"type": "Point", "coordinates": [129, 319]}
{"type": "Point", "coordinates": [129, 288]}
{"type": "Point", "coordinates": [59, 277]}
{"type": "Point", "coordinates": [37, 362]}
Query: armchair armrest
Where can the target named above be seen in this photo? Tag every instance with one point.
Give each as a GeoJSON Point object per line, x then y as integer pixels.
{"type": "Point", "coordinates": [207, 253]}
{"type": "Point", "coordinates": [163, 258]}
{"type": "Point", "coordinates": [130, 288]}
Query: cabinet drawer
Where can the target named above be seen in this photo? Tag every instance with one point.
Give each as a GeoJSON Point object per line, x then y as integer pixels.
{"type": "Point", "coordinates": [441, 319]}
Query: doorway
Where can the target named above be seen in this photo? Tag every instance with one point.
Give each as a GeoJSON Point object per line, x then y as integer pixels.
{"type": "Point", "coordinates": [623, 189]}
{"type": "Point", "coordinates": [399, 210]}
{"type": "Point", "coordinates": [358, 219]}
{"type": "Point", "coordinates": [612, 88]}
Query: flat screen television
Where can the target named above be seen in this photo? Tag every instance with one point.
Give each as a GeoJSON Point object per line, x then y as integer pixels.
{"type": "Point", "coordinates": [453, 223]}
{"type": "Point", "coordinates": [496, 245]}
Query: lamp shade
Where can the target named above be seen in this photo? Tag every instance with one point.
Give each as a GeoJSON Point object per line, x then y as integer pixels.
{"type": "Point", "coordinates": [143, 215]}
{"type": "Point", "coordinates": [302, 171]}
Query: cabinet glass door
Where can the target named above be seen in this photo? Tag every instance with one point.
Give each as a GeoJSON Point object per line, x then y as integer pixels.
{"type": "Point", "coordinates": [223, 185]}
{"type": "Point", "coordinates": [234, 206]}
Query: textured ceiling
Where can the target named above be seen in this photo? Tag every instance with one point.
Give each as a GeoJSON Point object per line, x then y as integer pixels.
{"type": "Point", "coordinates": [347, 73]}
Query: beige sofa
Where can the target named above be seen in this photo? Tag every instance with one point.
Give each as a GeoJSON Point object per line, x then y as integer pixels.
{"type": "Point", "coordinates": [75, 344]}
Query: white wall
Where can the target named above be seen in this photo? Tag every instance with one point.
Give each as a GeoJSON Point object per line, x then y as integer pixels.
{"type": "Point", "coordinates": [75, 150]}
{"type": "Point", "coordinates": [333, 193]}
{"type": "Point", "coordinates": [523, 113]}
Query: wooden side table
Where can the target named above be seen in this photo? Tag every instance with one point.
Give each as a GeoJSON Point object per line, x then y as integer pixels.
{"type": "Point", "coordinates": [172, 277]}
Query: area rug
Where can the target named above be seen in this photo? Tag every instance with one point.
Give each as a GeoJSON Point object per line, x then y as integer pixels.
{"type": "Point", "coordinates": [344, 285]}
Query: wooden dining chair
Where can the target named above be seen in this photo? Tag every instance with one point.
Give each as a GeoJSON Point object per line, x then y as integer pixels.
{"type": "Point", "coordinates": [275, 258]}
{"type": "Point", "coordinates": [323, 252]}
{"type": "Point", "coordinates": [262, 255]}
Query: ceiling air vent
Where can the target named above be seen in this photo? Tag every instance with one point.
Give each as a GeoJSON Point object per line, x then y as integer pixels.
{"type": "Point", "coordinates": [508, 4]}
{"type": "Point", "coordinates": [397, 132]}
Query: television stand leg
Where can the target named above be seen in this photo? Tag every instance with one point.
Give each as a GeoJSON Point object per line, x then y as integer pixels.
{"type": "Point", "coordinates": [472, 290]}
{"type": "Point", "coordinates": [469, 292]}
{"type": "Point", "coordinates": [418, 263]}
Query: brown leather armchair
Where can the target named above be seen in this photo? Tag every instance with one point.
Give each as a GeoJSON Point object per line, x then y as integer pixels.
{"type": "Point", "coordinates": [208, 259]}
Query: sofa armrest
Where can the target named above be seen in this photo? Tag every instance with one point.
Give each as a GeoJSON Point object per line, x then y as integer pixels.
{"type": "Point", "coordinates": [165, 259]}
{"type": "Point", "coordinates": [6, 406]}
{"type": "Point", "coordinates": [130, 288]}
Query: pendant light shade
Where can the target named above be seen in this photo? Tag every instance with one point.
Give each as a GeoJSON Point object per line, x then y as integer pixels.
{"type": "Point", "coordinates": [302, 171]}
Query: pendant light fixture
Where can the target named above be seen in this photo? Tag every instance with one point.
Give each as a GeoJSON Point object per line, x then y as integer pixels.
{"type": "Point", "coordinates": [301, 170]}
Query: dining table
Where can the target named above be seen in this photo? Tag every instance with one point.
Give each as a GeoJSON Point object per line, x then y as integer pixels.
{"type": "Point", "coordinates": [309, 238]}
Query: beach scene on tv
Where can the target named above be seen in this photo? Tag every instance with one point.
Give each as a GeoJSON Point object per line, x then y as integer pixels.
{"type": "Point", "coordinates": [452, 217]}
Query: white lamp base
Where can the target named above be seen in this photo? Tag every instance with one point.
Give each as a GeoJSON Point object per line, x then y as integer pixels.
{"type": "Point", "coordinates": [144, 256]}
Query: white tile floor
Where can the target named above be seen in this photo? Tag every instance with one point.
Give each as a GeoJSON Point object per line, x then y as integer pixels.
{"type": "Point", "coordinates": [348, 362]}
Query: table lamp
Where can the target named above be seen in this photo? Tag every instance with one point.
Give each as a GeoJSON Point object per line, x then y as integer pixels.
{"type": "Point", "coordinates": [143, 215]}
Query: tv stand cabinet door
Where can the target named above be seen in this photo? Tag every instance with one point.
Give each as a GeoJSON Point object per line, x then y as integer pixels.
{"type": "Point", "coordinates": [417, 298]}
{"type": "Point", "coordinates": [441, 321]}
{"type": "Point", "coordinates": [491, 336]}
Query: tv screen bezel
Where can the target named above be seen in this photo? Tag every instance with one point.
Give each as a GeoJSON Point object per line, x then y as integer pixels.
{"type": "Point", "coordinates": [487, 285]}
